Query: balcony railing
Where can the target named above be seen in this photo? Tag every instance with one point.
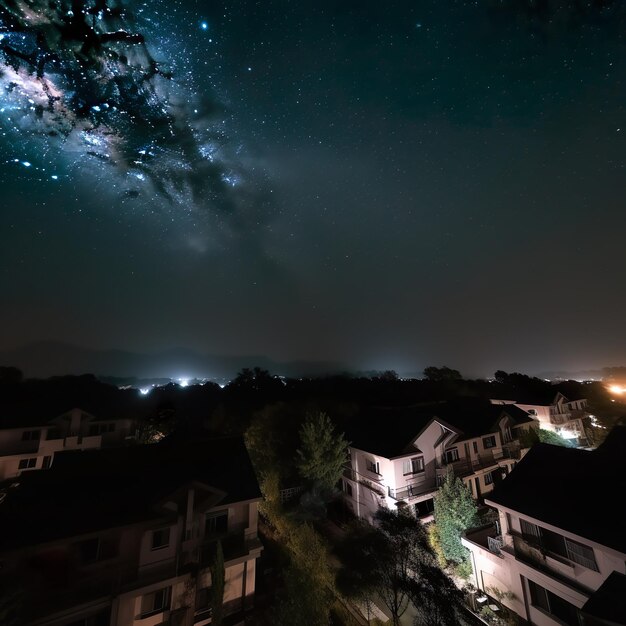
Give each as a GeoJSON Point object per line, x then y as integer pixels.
{"type": "Point", "coordinates": [495, 544]}
{"type": "Point", "coordinates": [470, 465]}
{"type": "Point", "coordinates": [560, 418]}
{"type": "Point", "coordinates": [377, 487]}
{"type": "Point", "coordinates": [410, 491]}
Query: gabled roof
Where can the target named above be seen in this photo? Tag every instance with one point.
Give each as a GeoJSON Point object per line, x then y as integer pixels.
{"type": "Point", "coordinates": [389, 432]}
{"type": "Point", "coordinates": [97, 489]}
{"type": "Point", "coordinates": [576, 490]}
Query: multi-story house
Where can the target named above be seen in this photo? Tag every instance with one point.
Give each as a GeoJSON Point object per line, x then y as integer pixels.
{"type": "Point", "coordinates": [127, 536]}
{"type": "Point", "coordinates": [558, 552]}
{"type": "Point", "coordinates": [400, 457]}
{"type": "Point", "coordinates": [559, 414]}
{"type": "Point", "coordinates": [28, 443]}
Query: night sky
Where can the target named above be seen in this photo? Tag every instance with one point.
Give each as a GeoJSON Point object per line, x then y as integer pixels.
{"type": "Point", "coordinates": [385, 184]}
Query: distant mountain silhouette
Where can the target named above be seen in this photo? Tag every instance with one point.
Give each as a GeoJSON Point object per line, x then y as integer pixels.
{"type": "Point", "coordinates": [51, 358]}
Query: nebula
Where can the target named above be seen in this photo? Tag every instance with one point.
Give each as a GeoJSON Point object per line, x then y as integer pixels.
{"type": "Point", "coordinates": [82, 79]}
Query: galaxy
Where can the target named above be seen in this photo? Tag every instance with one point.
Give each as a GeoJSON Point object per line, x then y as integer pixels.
{"type": "Point", "coordinates": [92, 84]}
{"type": "Point", "coordinates": [382, 185]}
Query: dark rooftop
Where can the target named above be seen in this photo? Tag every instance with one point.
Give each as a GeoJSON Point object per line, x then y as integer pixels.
{"type": "Point", "coordinates": [576, 490]}
{"type": "Point", "coordinates": [388, 431]}
{"type": "Point", "coordinates": [91, 490]}
{"type": "Point", "coordinates": [608, 603]}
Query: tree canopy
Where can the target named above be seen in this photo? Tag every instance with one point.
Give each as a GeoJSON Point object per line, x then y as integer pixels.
{"type": "Point", "coordinates": [322, 454]}
{"type": "Point", "coordinates": [455, 512]}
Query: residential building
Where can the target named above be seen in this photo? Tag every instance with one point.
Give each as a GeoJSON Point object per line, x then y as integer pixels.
{"type": "Point", "coordinates": [126, 536]}
{"type": "Point", "coordinates": [29, 442]}
{"type": "Point", "coordinates": [400, 456]}
{"type": "Point", "coordinates": [558, 413]}
{"type": "Point", "coordinates": [558, 552]}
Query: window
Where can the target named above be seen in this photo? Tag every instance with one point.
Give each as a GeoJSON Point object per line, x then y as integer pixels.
{"type": "Point", "coordinates": [155, 602]}
{"type": "Point", "coordinates": [530, 532]}
{"type": "Point", "coordinates": [413, 466]}
{"type": "Point", "coordinates": [581, 554]}
{"type": "Point", "coordinates": [475, 446]}
{"type": "Point", "coordinates": [216, 523]}
{"type": "Point", "coordinates": [372, 466]}
{"type": "Point", "coordinates": [532, 411]}
{"type": "Point", "coordinates": [347, 487]}
{"type": "Point", "coordinates": [488, 479]}
{"type": "Point", "coordinates": [552, 542]}
{"type": "Point", "coordinates": [425, 508]}
{"type": "Point", "coordinates": [47, 462]}
{"type": "Point", "coordinates": [101, 429]}
{"type": "Point", "coordinates": [160, 538]}
{"type": "Point", "coordinates": [27, 463]}
{"type": "Point", "coordinates": [31, 435]}
{"type": "Point", "coordinates": [203, 599]}
{"type": "Point", "coordinates": [489, 442]}
{"type": "Point", "coordinates": [452, 455]}
{"type": "Point", "coordinates": [552, 604]}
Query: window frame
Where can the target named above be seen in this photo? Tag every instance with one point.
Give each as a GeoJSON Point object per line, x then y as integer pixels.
{"type": "Point", "coordinates": [372, 466]}
{"type": "Point", "coordinates": [214, 516]}
{"type": "Point", "coordinates": [167, 530]}
{"type": "Point", "coordinates": [454, 452]}
{"type": "Point", "coordinates": [411, 464]}
{"type": "Point", "coordinates": [489, 438]}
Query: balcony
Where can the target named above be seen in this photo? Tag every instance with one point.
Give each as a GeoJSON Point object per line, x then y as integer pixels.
{"type": "Point", "coordinates": [560, 418]}
{"type": "Point", "coordinates": [377, 487]}
{"type": "Point", "coordinates": [512, 450]}
{"type": "Point", "coordinates": [410, 491]}
{"type": "Point", "coordinates": [486, 537]}
{"type": "Point", "coordinates": [465, 466]}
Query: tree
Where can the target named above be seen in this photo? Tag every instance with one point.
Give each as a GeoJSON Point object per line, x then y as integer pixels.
{"type": "Point", "coordinates": [530, 437]}
{"type": "Point", "coordinates": [309, 580]}
{"type": "Point", "coordinates": [394, 561]}
{"type": "Point", "coordinates": [548, 436]}
{"type": "Point", "coordinates": [455, 512]}
{"type": "Point", "coordinates": [322, 454]}
{"type": "Point", "coordinates": [217, 585]}
{"type": "Point", "coordinates": [441, 373]}
{"type": "Point", "coordinates": [359, 553]}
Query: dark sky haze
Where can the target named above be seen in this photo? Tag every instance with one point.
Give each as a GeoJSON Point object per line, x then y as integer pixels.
{"type": "Point", "coordinates": [386, 184]}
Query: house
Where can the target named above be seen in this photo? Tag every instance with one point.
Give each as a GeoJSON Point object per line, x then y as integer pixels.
{"type": "Point", "coordinates": [400, 456]}
{"type": "Point", "coordinates": [558, 551]}
{"type": "Point", "coordinates": [30, 441]}
{"type": "Point", "coordinates": [126, 536]}
{"type": "Point", "coordinates": [557, 413]}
